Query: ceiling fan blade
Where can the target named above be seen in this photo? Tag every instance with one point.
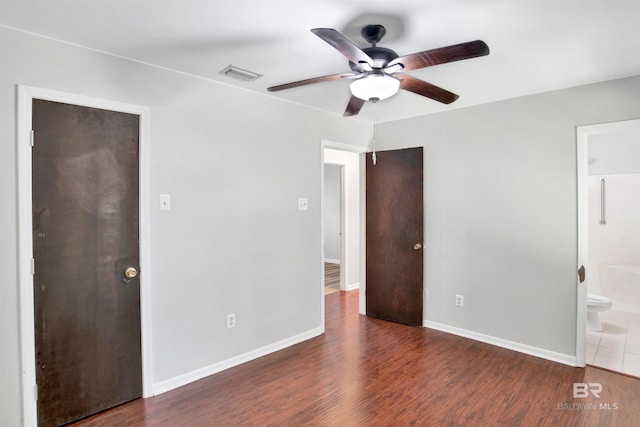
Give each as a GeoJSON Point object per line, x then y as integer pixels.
{"type": "Point", "coordinates": [311, 81]}
{"type": "Point", "coordinates": [354, 106]}
{"type": "Point", "coordinates": [442, 55]}
{"type": "Point", "coordinates": [427, 89]}
{"type": "Point", "coordinates": [343, 45]}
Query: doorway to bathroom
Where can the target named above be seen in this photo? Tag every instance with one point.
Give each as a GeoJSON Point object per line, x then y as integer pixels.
{"type": "Point", "coordinates": [609, 246]}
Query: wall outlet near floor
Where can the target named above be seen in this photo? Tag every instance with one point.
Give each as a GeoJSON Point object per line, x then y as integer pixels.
{"type": "Point", "coordinates": [459, 300]}
{"type": "Point", "coordinates": [231, 320]}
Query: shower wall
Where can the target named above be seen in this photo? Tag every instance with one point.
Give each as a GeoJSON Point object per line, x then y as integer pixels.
{"type": "Point", "coordinates": [614, 248]}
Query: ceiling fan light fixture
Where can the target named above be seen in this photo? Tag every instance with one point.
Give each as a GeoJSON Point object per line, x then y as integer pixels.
{"type": "Point", "coordinates": [375, 86]}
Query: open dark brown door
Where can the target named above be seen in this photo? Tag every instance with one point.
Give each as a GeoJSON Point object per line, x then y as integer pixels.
{"type": "Point", "coordinates": [86, 251]}
{"type": "Point", "coordinates": [394, 236]}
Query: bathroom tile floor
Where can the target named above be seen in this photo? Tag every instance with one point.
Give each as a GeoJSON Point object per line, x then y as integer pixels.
{"type": "Point", "coordinates": [617, 347]}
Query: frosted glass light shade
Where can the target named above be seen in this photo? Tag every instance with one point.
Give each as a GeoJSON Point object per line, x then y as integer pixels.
{"type": "Point", "coordinates": [378, 86]}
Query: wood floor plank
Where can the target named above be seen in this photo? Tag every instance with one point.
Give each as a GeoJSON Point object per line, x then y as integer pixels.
{"type": "Point", "coordinates": [365, 371]}
{"type": "Point", "coordinates": [331, 277]}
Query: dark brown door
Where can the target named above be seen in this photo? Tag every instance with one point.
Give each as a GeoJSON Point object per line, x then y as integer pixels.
{"type": "Point", "coordinates": [394, 236]}
{"type": "Point", "coordinates": [85, 235]}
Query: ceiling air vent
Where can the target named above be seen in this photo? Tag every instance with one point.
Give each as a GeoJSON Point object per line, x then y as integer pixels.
{"type": "Point", "coordinates": [240, 74]}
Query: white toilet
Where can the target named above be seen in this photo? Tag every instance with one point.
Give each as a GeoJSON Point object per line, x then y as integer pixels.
{"type": "Point", "coordinates": [595, 305]}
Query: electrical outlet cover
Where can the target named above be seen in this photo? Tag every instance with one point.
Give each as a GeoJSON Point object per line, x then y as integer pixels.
{"type": "Point", "coordinates": [303, 204]}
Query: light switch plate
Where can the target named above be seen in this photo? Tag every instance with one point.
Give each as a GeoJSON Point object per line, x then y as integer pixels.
{"type": "Point", "coordinates": [165, 202]}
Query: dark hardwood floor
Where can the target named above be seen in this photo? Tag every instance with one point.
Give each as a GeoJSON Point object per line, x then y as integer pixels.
{"type": "Point", "coordinates": [368, 372]}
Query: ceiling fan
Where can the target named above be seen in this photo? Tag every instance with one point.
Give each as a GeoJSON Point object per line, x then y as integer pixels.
{"type": "Point", "coordinates": [378, 72]}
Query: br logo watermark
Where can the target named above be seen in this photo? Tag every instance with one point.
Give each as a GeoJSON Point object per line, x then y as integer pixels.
{"type": "Point", "coordinates": [583, 391]}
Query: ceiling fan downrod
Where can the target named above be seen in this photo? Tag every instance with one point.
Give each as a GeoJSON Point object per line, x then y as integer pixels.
{"type": "Point", "coordinates": [373, 33]}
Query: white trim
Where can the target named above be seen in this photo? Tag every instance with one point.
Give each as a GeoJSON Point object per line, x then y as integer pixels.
{"type": "Point", "coordinates": [582, 173]}
{"type": "Point", "coordinates": [198, 374]}
{"type": "Point", "coordinates": [582, 165]}
{"type": "Point", "coordinates": [565, 359]}
{"type": "Point", "coordinates": [25, 255]}
{"type": "Point", "coordinates": [145, 252]}
{"type": "Point", "coordinates": [352, 286]}
{"type": "Point", "coordinates": [345, 234]}
{"type": "Point", "coordinates": [25, 245]}
{"type": "Point", "coordinates": [325, 143]}
{"type": "Point", "coordinates": [362, 302]}
{"type": "Point", "coordinates": [321, 287]}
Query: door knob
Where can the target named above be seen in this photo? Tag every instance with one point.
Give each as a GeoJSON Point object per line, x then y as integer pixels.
{"type": "Point", "coordinates": [130, 272]}
{"type": "Point", "coordinates": [417, 246]}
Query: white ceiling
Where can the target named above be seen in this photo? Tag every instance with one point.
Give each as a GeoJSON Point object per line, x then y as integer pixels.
{"type": "Point", "coordinates": [536, 45]}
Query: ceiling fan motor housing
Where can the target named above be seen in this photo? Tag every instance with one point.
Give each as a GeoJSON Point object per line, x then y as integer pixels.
{"type": "Point", "coordinates": [381, 57]}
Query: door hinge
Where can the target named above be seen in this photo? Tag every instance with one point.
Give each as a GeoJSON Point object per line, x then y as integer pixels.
{"type": "Point", "coordinates": [32, 138]}
{"type": "Point", "coordinates": [33, 266]}
{"type": "Point", "coordinates": [35, 392]}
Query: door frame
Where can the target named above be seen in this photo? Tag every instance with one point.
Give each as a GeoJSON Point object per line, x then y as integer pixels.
{"type": "Point", "coordinates": [25, 243]}
{"type": "Point", "coordinates": [351, 149]}
{"type": "Point", "coordinates": [582, 149]}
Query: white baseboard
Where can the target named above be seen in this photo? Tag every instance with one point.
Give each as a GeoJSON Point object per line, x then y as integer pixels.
{"type": "Point", "coordinates": [332, 261]}
{"type": "Point", "coordinates": [198, 374]}
{"type": "Point", "coordinates": [353, 286]}
{"type": "Point", "coordinates": [565, 359]}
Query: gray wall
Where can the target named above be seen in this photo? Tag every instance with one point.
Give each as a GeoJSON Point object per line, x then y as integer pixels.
{"type": "Point", "coordinates": [332, 191]}
{"type": "Point", "coordinates": [500, 209]}
{"type": "Point", "coordinates": [227, 157]}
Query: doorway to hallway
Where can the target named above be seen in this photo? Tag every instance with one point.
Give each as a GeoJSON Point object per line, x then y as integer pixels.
{"type": "Point", "coordinates": [342, 233]}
